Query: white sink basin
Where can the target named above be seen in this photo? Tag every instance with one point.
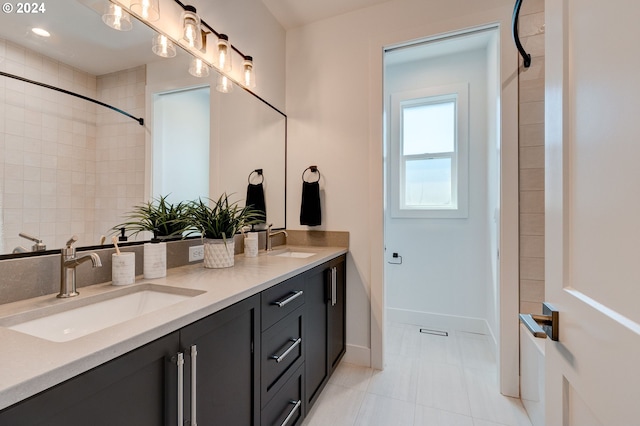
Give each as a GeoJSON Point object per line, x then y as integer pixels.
{"type": "Point", "coordinates": [77, 318]}
{"type": "Point", "coordinates": [293, 253]}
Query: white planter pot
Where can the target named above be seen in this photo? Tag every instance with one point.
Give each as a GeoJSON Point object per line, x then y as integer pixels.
{"type": "Point", "coordinates": [218, 253]}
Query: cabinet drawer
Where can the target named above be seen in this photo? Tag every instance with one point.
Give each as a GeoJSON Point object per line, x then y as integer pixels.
{"type": "Point", "coordinates": [287, 406]}
{"type": "Point", "coordinates": [282, 299]}
{"type": "Point", "coordinates": [282, 353]}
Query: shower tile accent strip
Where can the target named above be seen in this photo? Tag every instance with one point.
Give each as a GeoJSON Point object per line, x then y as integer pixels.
{"type": "Point", "coordinates": [531, 83]}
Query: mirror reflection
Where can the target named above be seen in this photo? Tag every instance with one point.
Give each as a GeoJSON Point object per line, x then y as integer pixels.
{"type": "Point", "coordinates": [71, 167]}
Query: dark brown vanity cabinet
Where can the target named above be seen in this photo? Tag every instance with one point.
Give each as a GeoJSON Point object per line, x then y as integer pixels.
{"type": "Point", "coordinates": [261, 361]}
{"type": "Point", "coordinates": [325, 310]}
{"type": "Point", "coordinates": [206, 372]}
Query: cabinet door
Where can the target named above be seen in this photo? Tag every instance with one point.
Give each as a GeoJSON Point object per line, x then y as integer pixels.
{"type": "Point", "coordinates": [226, 367]}
{"type": "Point", "coordinates": [138, 388]}
{"type": "Point", "coordinates": [316, 361]}
{"type": "Point", "coordinates": [337, 304]}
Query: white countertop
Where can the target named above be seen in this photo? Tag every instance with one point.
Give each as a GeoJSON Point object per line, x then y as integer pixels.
{"type": "Point", "coordinates": [29, 365]}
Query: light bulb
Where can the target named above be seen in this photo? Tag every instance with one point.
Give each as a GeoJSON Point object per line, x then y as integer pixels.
{"type": "Point", "coordinates": [149, 10]}
{"type": "Point", "coordinates": [116, 18]}
{"type": "Point", "coordinates": [225, 85]}
{"type": "Point", "coordinates": [248, 74]}
{"type": "Point", "coordinates": [223, 56]}
{"type": "Point", "coordinates": [164, 47]}
{"type": "Point", "coordinates": [198, 68]}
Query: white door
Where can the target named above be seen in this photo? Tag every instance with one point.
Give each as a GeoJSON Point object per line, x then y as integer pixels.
{"type": "Point", "coordinates": [593, 211]}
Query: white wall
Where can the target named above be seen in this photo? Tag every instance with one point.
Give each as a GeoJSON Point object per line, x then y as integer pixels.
{"type": "Point", "coordinates": [332, 103]}
{"type": "Point", "coordinates": [445, 263]}
{"type": "Point", "coordinates": [252, 29]}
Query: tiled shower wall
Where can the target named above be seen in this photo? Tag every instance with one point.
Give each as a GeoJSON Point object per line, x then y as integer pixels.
{"type": "Point", "coordinates": [62, 161]}
{"type": "Point", "coordinates": [531, 30]}
{"type": "Point", "coordinates": [120, 147]}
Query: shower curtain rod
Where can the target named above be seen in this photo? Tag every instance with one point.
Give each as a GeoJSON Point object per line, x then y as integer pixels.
{"type": "Point", "coordinates": [516, 38]}
{"type": "Point", "coordinates": [57, 89]}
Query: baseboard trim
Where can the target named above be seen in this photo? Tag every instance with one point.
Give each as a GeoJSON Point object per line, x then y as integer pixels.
{"type": "Point", "coordinates": [358, 355]}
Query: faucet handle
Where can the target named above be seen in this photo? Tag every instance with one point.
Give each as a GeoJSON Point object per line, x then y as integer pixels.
{"type": "Point", "coordinates": [72, 240]}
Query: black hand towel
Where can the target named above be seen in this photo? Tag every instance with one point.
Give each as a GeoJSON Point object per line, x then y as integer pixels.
{"type": "Point", "coordinates": [255, 198]}
{"type": "Point", "coordinates": [310, 213]}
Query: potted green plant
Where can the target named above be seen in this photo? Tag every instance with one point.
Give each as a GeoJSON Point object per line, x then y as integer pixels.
{"type": "Point", "coordinates": [165, 221]}
{"type": "Point", "coordinates": [160, 217]}
{"type": "Point", "coordinates": [218, 221]}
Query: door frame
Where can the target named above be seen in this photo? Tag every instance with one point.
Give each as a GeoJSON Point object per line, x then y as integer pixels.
{"type": "Point", "coordinates": [508, 354]}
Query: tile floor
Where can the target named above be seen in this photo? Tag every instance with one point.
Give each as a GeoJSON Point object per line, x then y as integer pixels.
{"type": "Point", "coordinates": [428, 380]}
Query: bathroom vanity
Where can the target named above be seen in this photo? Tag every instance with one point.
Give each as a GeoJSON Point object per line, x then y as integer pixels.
{"type": "Point", "coordinates": [249, 345]}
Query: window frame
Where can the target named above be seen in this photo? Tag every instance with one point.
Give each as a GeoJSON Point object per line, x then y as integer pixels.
{"type": "Point", "coordinates": [459, 93]}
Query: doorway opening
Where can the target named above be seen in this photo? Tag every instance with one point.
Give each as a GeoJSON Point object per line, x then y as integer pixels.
{"type": "Point", "coordinates": [442, 184]}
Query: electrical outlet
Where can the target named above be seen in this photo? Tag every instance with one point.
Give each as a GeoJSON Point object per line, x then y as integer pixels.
{"type": "Point", "coordinates": [196, 253]}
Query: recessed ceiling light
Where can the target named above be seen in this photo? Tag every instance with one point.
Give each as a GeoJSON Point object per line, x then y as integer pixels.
{"type": "Point", "coordinates": [40, 32]}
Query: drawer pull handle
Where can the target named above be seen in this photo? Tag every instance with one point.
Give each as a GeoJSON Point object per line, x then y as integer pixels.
{"type": "Point", "coordinates": [296, 406]}
{"type": "Point", "coordinates": [279, 358]}
{"type": "Point", "coordinates": [294, 295]}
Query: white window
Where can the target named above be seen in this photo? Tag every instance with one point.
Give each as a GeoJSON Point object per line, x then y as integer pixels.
{"type": "Point", "coordinates": [429, 150]}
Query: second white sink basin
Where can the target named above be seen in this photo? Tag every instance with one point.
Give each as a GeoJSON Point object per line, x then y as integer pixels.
{"type": "Point", "coordinates": [77, 318]}
{"type": "Point", "coordinates": [293, 253]}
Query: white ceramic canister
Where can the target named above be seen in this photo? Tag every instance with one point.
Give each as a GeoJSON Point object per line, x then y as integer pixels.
{"type": "Point", "coordinates": [251, 245]}
{"type": "Point", "coordinates": [155, 260]}
{"type": "Point", "coordinates": [123, 268]}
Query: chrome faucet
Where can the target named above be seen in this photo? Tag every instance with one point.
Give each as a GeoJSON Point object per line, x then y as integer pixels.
{"type": "Point", "coordinates": [68, 265]}
{"type": "Point", "coordinates": [38, 246]}
{"type": "Point", "coordinates": [271, 234]}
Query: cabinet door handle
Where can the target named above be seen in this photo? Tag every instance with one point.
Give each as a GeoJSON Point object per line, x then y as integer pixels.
{"type": "Point", "coordinates": [296, 406]}
{"type": "Point", "coordinates": [295, 343]}
{"type": "Point", "coordinates": [294, 295]}
{"type": "Point", "coordinates": [334, 286]}
{"type": "Point", "coordinates": [194, 398]}
{"type": "Point", "coordinates": [180, 363]}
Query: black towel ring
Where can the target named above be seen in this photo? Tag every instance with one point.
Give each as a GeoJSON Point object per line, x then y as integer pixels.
{"type": "Point", "coordinates": [312, 169]}
{"type": "Point", "coordinates": [259, 173]}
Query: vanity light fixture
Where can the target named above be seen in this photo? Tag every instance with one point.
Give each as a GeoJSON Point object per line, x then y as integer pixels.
{"type": "Point", "coordinates": [198, 68]}
{"type": "Point", "coordinates": [248, 74]}
{"type": "Point", "coordinates": [115, 17]}
{"type": "Point", "coordinates": [225, 85]}
{"type": "Point", "coordinates": [223, 58]}
{"type": "Point", "coordinates": [163, 47]}
{"type": "Point", "coordinates": [191, 33]}
{"type": "Point", "coordinates": [147, 9]}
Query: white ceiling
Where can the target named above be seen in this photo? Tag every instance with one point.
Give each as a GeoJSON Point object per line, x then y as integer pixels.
{"type": "Point", "coordinates": [295, 13]}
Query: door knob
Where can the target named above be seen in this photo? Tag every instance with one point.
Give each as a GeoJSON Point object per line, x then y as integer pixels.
{"type": "Point", "coordinates": [543, 325]}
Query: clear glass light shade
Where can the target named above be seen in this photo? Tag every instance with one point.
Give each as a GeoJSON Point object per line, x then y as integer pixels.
{"type": "Point", "coordinates": [115, 17]}
{"type": "Point", "coordinates": [198, 68]}
{"type": "Point", "coordinates": [191, 33]}
{"type": "Point", "coordinates": [149, 10]}
{"type": "Point", "coordinates": [223, 56]}
{"type": "Point", "coordinates": [248, 73]}
{"type": "Point", "coordinates": [164, 47]}
{"type": "Point", "coordinates": [225, 85]}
